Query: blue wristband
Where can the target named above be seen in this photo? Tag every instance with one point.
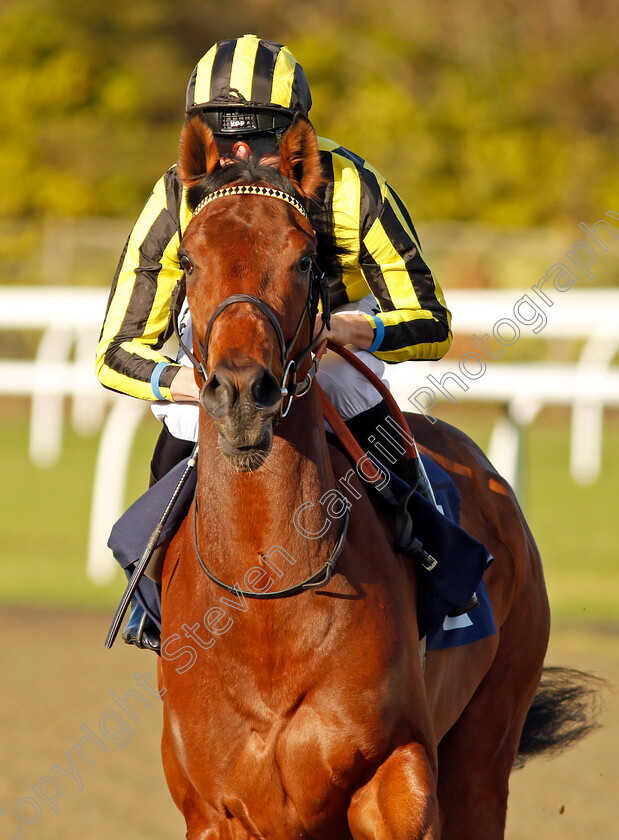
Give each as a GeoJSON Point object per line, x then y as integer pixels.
{"type": "Point", "coordinates": [380, 334]}
{"type": "Point", "coordinates": [155, 377]}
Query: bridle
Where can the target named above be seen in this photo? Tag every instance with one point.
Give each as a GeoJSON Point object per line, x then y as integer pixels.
{"type": "Point", "coordinates": [318, 292]}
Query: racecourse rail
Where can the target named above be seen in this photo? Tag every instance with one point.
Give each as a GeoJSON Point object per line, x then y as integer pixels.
{"type": "Point", "coordinates": [69, 320]}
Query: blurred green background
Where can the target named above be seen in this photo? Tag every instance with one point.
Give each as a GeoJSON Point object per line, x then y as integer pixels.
{"type": "Point", "coordinates": [489, 112]}
{"type": "Point", "coordinates": [496, 122]}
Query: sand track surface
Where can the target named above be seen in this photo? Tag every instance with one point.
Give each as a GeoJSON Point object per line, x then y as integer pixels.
{"type": "Point", "coordinates": [79, 735]}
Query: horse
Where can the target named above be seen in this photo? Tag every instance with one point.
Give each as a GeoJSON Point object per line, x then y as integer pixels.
{"type": "Point", "coordinates": [295, 709]}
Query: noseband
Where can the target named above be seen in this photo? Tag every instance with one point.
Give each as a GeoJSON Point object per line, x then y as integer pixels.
{"type": "Point", "coordinates": [318, 291]}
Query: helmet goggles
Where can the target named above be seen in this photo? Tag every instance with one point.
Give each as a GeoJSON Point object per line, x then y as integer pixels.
{"type": "Point", "coordinates": [242, 121]}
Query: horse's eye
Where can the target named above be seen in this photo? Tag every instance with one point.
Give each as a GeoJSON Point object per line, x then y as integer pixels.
{"type": "Point", "coordinates": [305, 263]}
{"type": "Point", "coordinates": [186, 264]}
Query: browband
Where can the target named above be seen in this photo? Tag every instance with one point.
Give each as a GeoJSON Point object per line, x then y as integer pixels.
{"type": "Point", "coordinates": [247, 189]}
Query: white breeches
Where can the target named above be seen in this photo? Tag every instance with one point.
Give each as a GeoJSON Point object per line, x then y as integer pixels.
{"type": "Point", "coordinates": [348, 390]}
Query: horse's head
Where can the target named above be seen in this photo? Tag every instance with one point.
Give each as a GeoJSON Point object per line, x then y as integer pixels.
{"type": "Point", "coordinates": [248, 256]}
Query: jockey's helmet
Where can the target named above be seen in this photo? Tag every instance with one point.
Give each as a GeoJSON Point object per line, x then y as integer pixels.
{"type": "Point", "coordinates": [248, 85]}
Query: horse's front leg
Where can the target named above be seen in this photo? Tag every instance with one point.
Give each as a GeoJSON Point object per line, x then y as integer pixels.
{"type": "Point", "coordinates": [399, 802]}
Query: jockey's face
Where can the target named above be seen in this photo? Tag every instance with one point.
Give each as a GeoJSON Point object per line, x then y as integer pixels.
{"type": "Point", "coordinates": [264, 145]}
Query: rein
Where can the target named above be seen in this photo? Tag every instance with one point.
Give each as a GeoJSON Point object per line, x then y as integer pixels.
{"type": "Point", "coordinates": [405, 541]}
{"type": "Point", "coordinates": [316, 581]}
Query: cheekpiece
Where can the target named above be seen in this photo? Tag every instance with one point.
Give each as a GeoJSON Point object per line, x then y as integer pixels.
{"type": "Point", "coordinates": [248, 189]}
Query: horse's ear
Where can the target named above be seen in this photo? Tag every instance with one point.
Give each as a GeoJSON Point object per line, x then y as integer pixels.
{"type": "Point", "coordinates": [299, 158]}
{"type": "Point", "coordinates": [199, 154]}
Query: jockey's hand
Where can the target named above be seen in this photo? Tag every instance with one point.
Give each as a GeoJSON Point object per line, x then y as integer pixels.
{"type": "Point", "coordinates": [184, 387]}
{"type": "Point", "coordinates": [347, 328]}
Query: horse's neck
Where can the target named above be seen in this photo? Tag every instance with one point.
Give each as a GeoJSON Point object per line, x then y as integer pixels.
{"type": "Point", "coordinates": [245, 515]}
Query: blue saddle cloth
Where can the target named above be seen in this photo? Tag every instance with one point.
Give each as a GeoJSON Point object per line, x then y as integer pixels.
{"type": "Point", "coordinates": [445, 589]}
{"type": "Point", "coordinates": [463, 561]}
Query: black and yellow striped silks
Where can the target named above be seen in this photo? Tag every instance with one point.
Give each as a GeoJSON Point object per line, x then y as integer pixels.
{"type": "Point", "coordinates": [249, 70]}
{"type": "Point", "coordinates": [357, 208]}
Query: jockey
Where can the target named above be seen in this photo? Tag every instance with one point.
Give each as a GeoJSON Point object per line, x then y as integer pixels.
{"type": "Point", "coordinates": [385, 301]}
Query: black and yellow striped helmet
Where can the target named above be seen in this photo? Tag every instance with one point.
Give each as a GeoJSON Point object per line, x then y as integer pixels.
{"type": "Point", "coordinates": [246, 85]}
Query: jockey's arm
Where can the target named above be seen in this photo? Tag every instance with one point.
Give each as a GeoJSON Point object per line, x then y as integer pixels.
{"type": "Point", "coordinates": [413, 322]}
{"type": "Point", "coordinates": [136, 325]}
{"type": "Point", "coordinates": [184, 387]}
{"type": "Point", "coordinates": [348, 328]}
{"type": "Point", "coordinates": [380, 253]}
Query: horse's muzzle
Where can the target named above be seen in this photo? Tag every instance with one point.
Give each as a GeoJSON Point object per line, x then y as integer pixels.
{"type": "Point", "coordinates": [242, 402]}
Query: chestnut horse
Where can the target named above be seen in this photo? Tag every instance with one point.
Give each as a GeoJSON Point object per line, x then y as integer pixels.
{"type": "Point", "coordinates": [311, 716]}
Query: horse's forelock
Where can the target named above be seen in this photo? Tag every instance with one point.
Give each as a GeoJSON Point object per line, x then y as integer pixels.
{"type": "Point", "coordinates": [251, 172]}
{"type": "Point", "coordinates": [240, 172]}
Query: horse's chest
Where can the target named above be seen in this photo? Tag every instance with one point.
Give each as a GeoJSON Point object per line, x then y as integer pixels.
{"type": "Point", "coordinates": [294, 769]}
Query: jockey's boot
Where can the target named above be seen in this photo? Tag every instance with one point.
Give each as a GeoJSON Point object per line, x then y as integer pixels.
{"type": "Point", "coordinates": [474, 602]}
{"type": "Point", "coordinates": [141, 630]}
{"type": "Point", "coordinates": [364, 428]}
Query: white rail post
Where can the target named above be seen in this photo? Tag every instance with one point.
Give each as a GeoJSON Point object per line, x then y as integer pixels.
{"type": "Point", "coordinates": [588, 416]}
{"type": "Point", "coordinates": [110, 483]}
{"type": "Point", "coordinates": [87, 409]}
{"type": "Point", "coordinates": [46, 410]}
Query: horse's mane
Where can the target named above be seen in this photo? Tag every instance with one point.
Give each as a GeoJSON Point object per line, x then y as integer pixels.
{"type": "Point", "coordinates": [251, 172]}
{"type": "Point", "coordinates": [243, 171]}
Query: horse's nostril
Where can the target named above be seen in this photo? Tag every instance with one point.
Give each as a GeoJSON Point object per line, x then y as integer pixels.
{"type": "Point", "coordinates": [218, 394]}
{"type": "Point", "coordinates": [243, 388]}
{"type": "Point", "coordinates": [265, 390]}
